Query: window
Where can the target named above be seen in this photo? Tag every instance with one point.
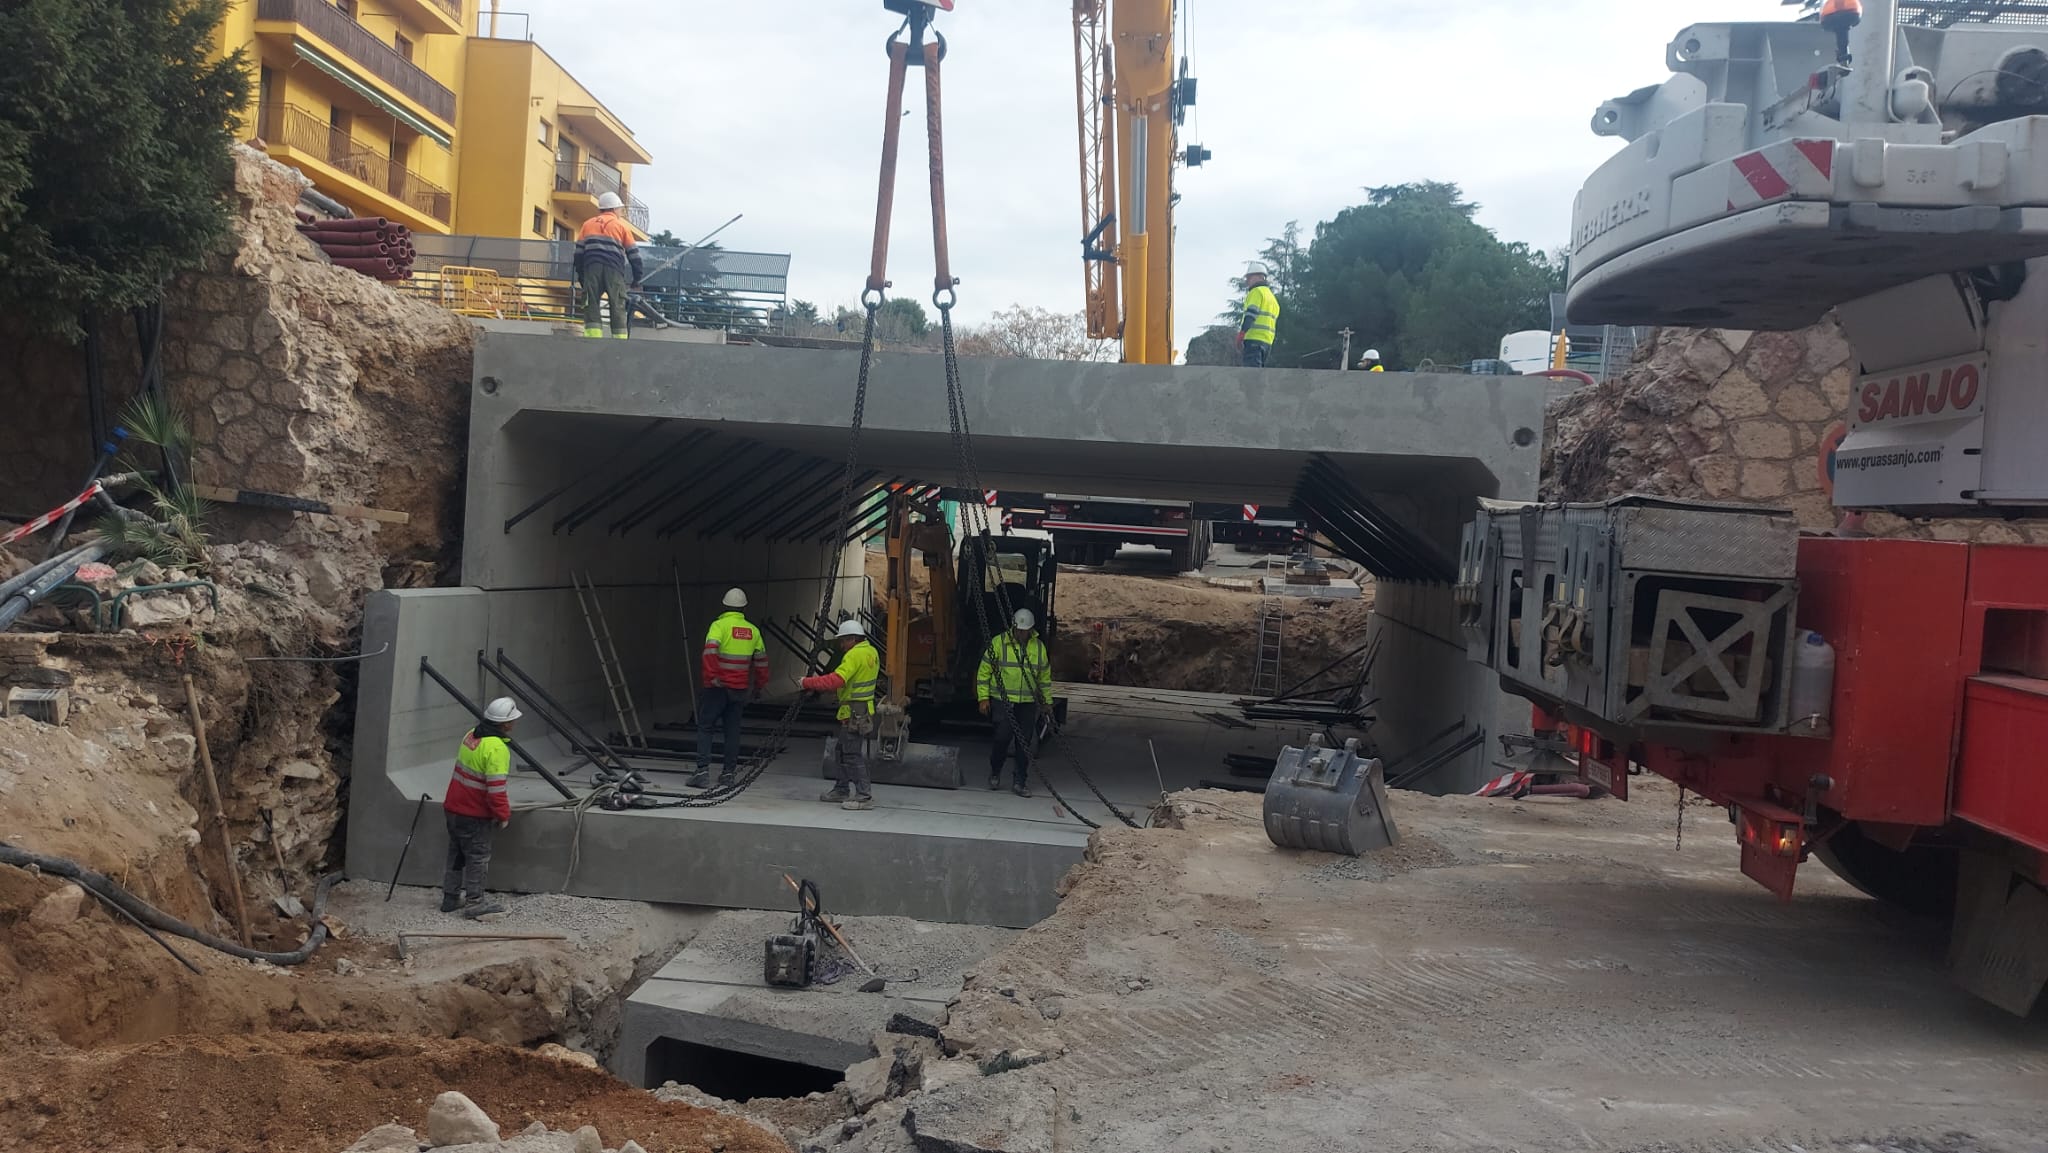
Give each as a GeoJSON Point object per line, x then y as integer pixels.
{"type": "Point", "coordinates": [562, 232]}
{"type": "Point", "coordinates": [348, 8]}
{"type": "Point", "coordinates": [403, 45]}
{"type": "Point", "coordinates": [540, 222]}
{"type": "Point", "coordinates": [547, 133]}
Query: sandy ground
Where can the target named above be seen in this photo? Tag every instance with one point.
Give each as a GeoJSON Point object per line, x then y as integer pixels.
{"type": "Point", "coordinates": [1545, 974]}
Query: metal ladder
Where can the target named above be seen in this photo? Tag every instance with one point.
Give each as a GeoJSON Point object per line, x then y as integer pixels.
{"type": "Point", "coordinates": [1272, 632]}
{"type": "Point", "coordinates": [608, 660]}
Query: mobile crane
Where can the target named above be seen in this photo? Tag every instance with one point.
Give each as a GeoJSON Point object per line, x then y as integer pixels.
{"type": "Point", "coordinates": [1897, 175]}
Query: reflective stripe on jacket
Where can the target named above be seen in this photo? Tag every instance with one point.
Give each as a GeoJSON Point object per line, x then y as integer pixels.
{"type": "Point", "coordinates": [857, 674]}
{"type": "Point", "coordinates": [1261, 315]}
{"type": "Point", "coordinates": [734, 655]}
{"type": "Point", "coordinates": [483, 765]}
{"type": "Point", "coordinates": [606, 239]}
{"type": "Point", "coordinates": [1014, 673]}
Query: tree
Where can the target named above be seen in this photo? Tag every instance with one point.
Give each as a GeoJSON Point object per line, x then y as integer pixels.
{"type": "Point", "coordinates": [902, 318]}
{"type": "Point", "coordinates": [805, 313]}
{"type": "Point", "coordinates": [666, 239]}
{"type": "Point", "coordinates": [115, 173]}
{"type": "Point", "coordinates": [1036, 334]}
{"type": "Point", "coordinates": [1215, 346]}
{"type": "Point", "coordinates": [1411, 273]}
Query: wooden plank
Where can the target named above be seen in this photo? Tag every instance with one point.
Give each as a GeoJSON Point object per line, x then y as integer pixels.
{"type": "Point", "coordinates": [273, 500]}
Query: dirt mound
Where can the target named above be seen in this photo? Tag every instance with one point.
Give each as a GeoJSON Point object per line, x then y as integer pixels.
{"type": "Point", "coordinates": [1183, 633]}
{"type": "Point", "coordinates": [282, 1093]}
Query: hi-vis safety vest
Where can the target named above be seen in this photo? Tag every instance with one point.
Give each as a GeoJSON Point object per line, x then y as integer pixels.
{"type": "Point", "coordinates": [1262, 308]}
{"type": "Point", "coordinates": [858, 672]}
{"type": "Point", "coordinates": [483, 765]}
{"type": "Point", "coordinates": [1014, 673]}
{"type": "Point", "coordinates": [734, 655]}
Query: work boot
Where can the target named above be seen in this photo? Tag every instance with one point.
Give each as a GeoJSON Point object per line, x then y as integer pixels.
{"type": "Point", "coordinates": [476, 909]}
{"type": "Point", "coordinates": [858, 803]}
{"type": "Point", "coordinates": [701, 779]}
{"type": "Point", "coordinates": [995, 781]}
{"type": "Point", "coordinates": [725, 779]}
{"type": "Point", "coordinates": [1021, 789]}
{"type": "Point", "coordinates": [834, 796]}
{"type": "Point", "coordinates": [450, 902]}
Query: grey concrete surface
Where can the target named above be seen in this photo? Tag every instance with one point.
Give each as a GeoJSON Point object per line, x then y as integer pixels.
{"type": "Point", "coordinates": [712, 993]}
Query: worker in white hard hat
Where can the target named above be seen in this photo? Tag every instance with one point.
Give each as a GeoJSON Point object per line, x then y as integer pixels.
{"type": "Point", "coordinates": [476, 808]}
{"type": "Point", "coordinates": [1014, 686]}
{"type": "Point", "coordinates": [854, 679]}
{"type": "Point", "coordinates": [605, 254]}
{"type": "Point", "coordinates": [1261, 323]}
{"type": "Point", "coordinates": [735, 672]}
{"type": "Point", "coordinates": [1370, 362]}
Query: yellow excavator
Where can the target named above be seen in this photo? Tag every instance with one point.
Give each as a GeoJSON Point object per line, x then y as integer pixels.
{"type": "Point", "coordinates": [1130, 104]}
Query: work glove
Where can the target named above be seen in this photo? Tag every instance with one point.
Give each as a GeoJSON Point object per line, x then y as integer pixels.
{"type": "Point", "coordinates": [504, 824]}
{"type": "Point", "coordinates": [984, 708]}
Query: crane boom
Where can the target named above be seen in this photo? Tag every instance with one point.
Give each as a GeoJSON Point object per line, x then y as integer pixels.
{"type": "Point", "coordinates": [1126, 104]}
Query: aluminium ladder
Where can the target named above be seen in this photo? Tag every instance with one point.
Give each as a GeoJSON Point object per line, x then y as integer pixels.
{"type": "Point", "coordinates": [1272, 631]}
{"type": "Point", "coordinates": [608, 660]}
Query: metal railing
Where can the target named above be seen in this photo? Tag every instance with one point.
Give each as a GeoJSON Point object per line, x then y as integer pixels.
{"type": "Point", "coordinates": [702, 288]}
{"type": "Point", "coordinates": [362, 46]}
{"type": "Point", "coordinates": [598, 179]}
{"type": "Point", "coordinates": [452, 7]}
{"type": "Point", "coordinates": [295, 128]}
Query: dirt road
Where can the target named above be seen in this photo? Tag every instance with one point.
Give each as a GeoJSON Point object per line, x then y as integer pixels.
{"type": "Point", "coordinates": [1514, 975]}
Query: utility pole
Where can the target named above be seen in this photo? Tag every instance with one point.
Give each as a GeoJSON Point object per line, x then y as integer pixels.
{"type": "Point", "coordinates": [1344, 362]}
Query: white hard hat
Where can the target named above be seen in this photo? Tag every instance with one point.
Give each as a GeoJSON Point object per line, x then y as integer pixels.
{"type": "Point", "coordinates": [1256, 268]}
{"type": "Point", "coordinates": [502, 711]}
{"type": "Point", "coordinates": [851, 628]}
{"type": "Point", "coordinates": [1370, 354]}
{"type": "Point", "coordinates": [610, 202]}
{"type": "Point", "coordinates": [735, 598]}
{"type": "Point", "coordinates": [1024, 619]}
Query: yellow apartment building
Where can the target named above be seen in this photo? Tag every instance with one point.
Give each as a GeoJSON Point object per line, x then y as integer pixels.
{"type": "Point", "coordinates": [537, 148]}
{"type": "Point", "coordinates": [393, 107]}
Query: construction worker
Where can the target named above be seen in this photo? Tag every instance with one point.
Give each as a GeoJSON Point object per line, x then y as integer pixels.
{"type": "Point", "coordinates": [1261, 318]}
{"type": "Point", "coordinates": [1370, 362]}
{"type": "Point", "coordinates": [735, 672]}
{"type": "Point", "coordinates": [1840, 17]}
{"type": "Point", "coordinates": [859, 668]}
{"type": "Point", "coordinates": [1013, 684]}
{"type": "Point", "coordinates": [476, 808]}
{"type": "Point", "coordinates": [605, 253]}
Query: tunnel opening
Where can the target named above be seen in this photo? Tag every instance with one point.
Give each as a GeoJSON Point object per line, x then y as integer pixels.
{"type": "Point", "coordinates": [732, 1074]}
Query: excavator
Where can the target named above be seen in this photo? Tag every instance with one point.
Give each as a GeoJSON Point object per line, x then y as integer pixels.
{"type": "Point", "coordinates": [1880, 704]}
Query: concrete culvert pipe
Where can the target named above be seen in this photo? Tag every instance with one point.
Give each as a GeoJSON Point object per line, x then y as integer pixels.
{"type": "Point", "coordinates": [145, 914]}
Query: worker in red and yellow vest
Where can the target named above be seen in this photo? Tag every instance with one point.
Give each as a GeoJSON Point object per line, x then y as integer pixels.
{"type": "Point", "coordinates": [605, 253]}
{"type": "Point", "coordinates": [735, 672]}
{"type": "Point", "coordinates": [1370, 362]}
{"type": "Point", "coordinates": [854, 679]}
{"type": "Point", "coordinates": [476, 808]}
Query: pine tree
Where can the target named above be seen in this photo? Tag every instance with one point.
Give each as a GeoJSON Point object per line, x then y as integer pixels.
{"type": "Point", "coordinates": [115, 174]}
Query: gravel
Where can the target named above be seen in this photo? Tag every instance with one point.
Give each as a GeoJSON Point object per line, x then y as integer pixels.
{"type": "Point", "coordinates": [590, 922]}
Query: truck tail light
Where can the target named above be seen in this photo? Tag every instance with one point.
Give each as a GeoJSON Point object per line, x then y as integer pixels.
{"type": "Point", "coordinates": [1778, 838]}
{"type": "Point", "coordinates": [1056, 509]}
{"type": "Point", "coordinates": [1177, 514]}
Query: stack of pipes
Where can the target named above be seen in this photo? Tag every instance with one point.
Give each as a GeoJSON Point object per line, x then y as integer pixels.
{"type": "Point", "coordinates": [370, 245]}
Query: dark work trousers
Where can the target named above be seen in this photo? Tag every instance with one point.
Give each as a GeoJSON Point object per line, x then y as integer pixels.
{"type": "Point", "coordinates": [1255, 353]}
{"type": "Point", "coordinates": [718, 707]}
{"type": "Point", "coordinates": [853, 755]}
{"type": "Point", "coordinates": [469, 857]}
{"type": "Point", "coordinates": [603, 280]}
{"type": "Point", "coordinates": [1016, 724]}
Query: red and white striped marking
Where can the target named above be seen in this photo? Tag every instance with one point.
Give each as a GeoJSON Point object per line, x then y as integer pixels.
{"type": "Point", "coordinates": [1788, 169]}
{"type": "Point", "coordinates": [49, 518]}
{"type": "Point", "coordinates": [1251, 512]}
{"type": "Point", "coordinates": [1513, 784]}
{"type": "Point", "coordinates": [988, 497]}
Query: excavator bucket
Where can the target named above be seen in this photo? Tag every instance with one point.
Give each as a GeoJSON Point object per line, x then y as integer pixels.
{"type": "Point", "coordinates": [1330, 800]}
{"type": "Point", "coordinates": [920, 765]}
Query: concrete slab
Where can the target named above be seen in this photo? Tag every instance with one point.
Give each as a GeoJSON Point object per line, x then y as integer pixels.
{"type": "Point", "coordinates": [1336, 590]}
{"type": "Point", "coordinates": [712, 994]}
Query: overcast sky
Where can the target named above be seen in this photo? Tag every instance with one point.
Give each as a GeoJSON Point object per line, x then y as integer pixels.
{"type": "Point", "coordinates": [773, 108]}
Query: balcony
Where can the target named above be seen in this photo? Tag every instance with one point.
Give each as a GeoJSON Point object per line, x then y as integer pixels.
{"type": "Point", "coordinates": [363, 48]}
{"type": "Point", "coordinates": [292, 133]}
{"type": "Point", "coordinates": [577, 187]}
{"type": "Point", "coordinates": [433, 15]}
